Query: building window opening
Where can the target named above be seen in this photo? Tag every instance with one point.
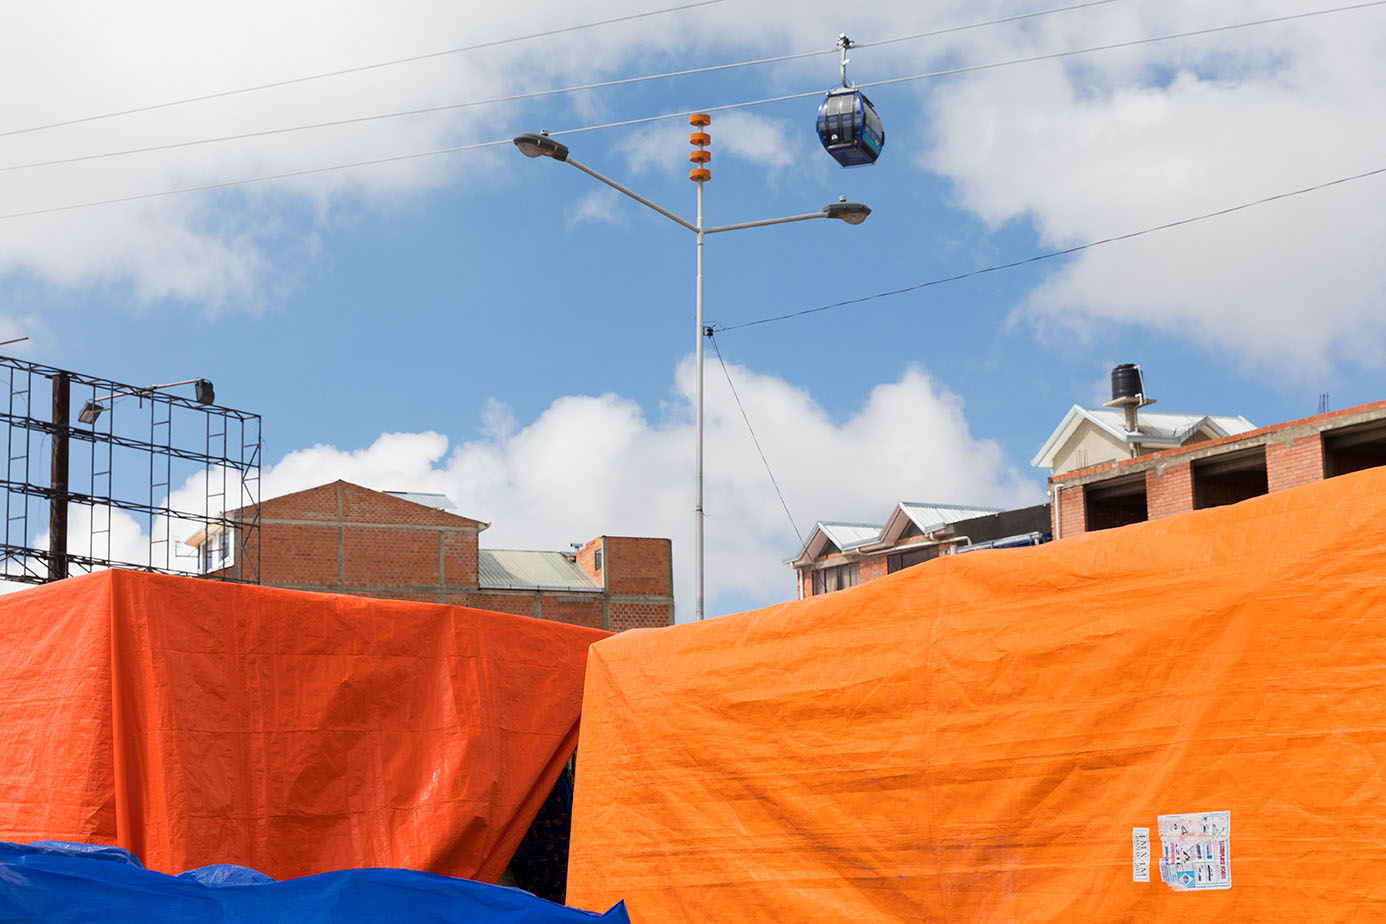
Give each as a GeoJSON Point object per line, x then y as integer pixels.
{"type": "Point", "coordinates": [1352, 449]}
{"type": "Point", "coordinates": [838, 577]}
{"type": "Point", "coordinates": [1229, 479]}
{"type": "Point", "coordinates": [597, 560]}
{"type": "Point", "coordinates": [910, 557]}
{"type": "Point", "coordinates": [216, 551]}
{"type": "Point", "coordinates": [1116, 502]}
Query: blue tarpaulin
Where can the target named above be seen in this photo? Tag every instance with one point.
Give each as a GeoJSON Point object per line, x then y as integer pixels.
{"type": "Point", "coordinates": [52, 881]}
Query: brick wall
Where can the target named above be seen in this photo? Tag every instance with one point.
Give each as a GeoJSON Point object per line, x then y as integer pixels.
{"type": "Point", "coordinates": [1070, 510]}
{"type": "Point", "coordinates": [575, 609]}
{"type": "Point", "coordinates": [1294, 456]}
{"type": "Point", "coordinates": [638, 566]}
{"type": "Point", "coordinates": [638, 575]}
{"type": "Point", "coordinates": [348, 539]}
{"type": "Point", "coordinates": [627, 614]}
{"type": "Point", "coordinates": [1168, 490]}
{"type": "Point", "coordinates": [1293, 462]}
{"type": "Point", "coordinates": [297, 555]}
{"type": "Point", "coordinates": [586, 559]}
{"type": "Point", "coordinates": [872, 568]}
{"type": "Point", "coordinates": [343, 538]}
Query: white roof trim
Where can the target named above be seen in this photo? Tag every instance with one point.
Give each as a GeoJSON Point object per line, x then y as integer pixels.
{"type": "Point", "coordinates": [883, 537]}
{"type": "Point", "coordinates": [902, 516]}
{"type": "Point", "coordinates": [1221, 425]}
{"type": "Point", "coordinates": [1066, 428]}
{"type": "Point", "coordinates": [822, 534]}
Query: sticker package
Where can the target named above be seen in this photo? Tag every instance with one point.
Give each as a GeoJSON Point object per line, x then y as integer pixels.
{"type": "Point", "coordinates": [1196, 851]}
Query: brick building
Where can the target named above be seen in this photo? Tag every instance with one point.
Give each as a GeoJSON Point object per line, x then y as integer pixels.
{"type": "Point", "coordinates": [839, 555]}
{"type": "Point", "coordinates": [343, 538]}
{"type": "Point", "coordinates": [1216, 471]}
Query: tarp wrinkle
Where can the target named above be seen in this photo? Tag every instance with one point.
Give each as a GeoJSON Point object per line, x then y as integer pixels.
{"type": "Point", "coordinates": [195, 723]}
{"type": "Point", "coordinates": [1213, 679]}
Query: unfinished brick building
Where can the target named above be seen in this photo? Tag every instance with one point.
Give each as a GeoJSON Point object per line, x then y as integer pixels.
{"type": "Point", "coordinates": [343, 538]}
{"type": "Point", "coordinates": [1220, 470]}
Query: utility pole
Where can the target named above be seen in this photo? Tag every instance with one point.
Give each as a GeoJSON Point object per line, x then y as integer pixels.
{"type": "Point", "coordinates": [57, 497]}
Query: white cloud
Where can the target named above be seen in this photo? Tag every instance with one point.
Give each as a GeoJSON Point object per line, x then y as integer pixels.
{"type": "Point", "coordinates": [394, 462]}
{"type": "Point", "coordinates": [601, 206]}
{"type": "Point", "coordinates": [75, 60]}
{"type": "Point", "coordinates": [1082, 148]}
{"type": "Point", "coordinates": [593, 465]}
{"type": "Point", "coordinates": [107, 534]}
{"type": "Point", "coordinates": [1141, 137]}
{"type": "Point", "coordinates": [769, 143]}
{"type": "Point", "coordinates": [772, 143]}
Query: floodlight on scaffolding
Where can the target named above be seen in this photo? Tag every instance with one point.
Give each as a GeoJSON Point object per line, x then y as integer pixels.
{"type": "Point", "coordinates": [203, 393]}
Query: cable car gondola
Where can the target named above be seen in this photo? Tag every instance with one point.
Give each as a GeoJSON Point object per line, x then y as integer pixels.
{"type": "Point", "coordinates": [847, 122]}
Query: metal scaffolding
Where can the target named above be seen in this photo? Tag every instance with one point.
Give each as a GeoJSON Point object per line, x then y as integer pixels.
{"type": "Point", "coordinates": [144, 479]}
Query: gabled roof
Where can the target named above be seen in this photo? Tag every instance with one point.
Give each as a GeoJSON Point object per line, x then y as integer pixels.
{"type": "Point", "coordinates": [1156, 428]}
{"type": "Point", "coordinates": [508, 569]}
{"type": "Point", "coordinates": [843, 535]}
{"type": "Point", "coordinates": [849, 535]}
{"type": "Point", "coordinates": [320, 503]}
{"type": "Point", "coordinates": [929, 518]}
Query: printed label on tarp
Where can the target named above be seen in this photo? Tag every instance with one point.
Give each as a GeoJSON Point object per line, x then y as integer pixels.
{"type": "Point", "coordinates": [1196, 851]}
{"type": "Point", "coordinates": [1140, 854]}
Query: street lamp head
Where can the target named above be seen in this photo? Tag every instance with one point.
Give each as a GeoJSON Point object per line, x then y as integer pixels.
{"type": "Point", "coordinates": [854, 213]}
{"type": "Point", "coordinates": [540, 145]}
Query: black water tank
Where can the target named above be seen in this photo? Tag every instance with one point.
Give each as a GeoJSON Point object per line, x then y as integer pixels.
{"type": "Point", "coordinates": [1126, 381]}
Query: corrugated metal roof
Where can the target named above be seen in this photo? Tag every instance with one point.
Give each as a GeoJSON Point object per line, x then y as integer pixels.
{"type": "Point", "coordinates": [842, 535]}
{"type": "Point", "coordinates": [1166, 425]}
{"type": "Point", "coordinates": [931, 517]}
{"type": "Point", "coordinates": [436, 501]}
{"type": "Point", "coordinates": [507, 569]}
{"type": "Point", "coordinates": [847, 535]}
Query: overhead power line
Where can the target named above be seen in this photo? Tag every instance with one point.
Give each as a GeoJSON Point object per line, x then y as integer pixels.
{"type": "Point", "coordinates": [227, 184]}
{"type": "Point", "coordinates": [446, 107]}
{"type": "Point", "coordinates": [993, 22]}
{"type": "Point", "coordinates": [1053, 254]}
{"type": "Point", "coordinates": [965, 69]}
{"type": "Point", "coordinates": [1134, 42]}
{"type": "Point", "coordinates": [511, 98]}
{"type": "Point", "coordinates": [754, 438]}
{"type": "Point", "coordinates": [359, 68]}
{"type": "Point", "coordinates": [606, 22]}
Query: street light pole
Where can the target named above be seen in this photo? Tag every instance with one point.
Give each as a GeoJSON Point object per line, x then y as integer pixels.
{"type": "Point", "coordinates": [698, 400]}
{"type": "Point", "coordinates": [853, 213]}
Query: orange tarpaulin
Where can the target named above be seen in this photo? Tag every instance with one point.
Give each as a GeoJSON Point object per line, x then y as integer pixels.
{"type": "Point", "coordinates": [194, 722]}
{"type": "Point", "coordinates": [991, 736]}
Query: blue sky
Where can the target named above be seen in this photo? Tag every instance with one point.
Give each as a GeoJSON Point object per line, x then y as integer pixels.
{"type": "Point", "coordinates": [512, 333]}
